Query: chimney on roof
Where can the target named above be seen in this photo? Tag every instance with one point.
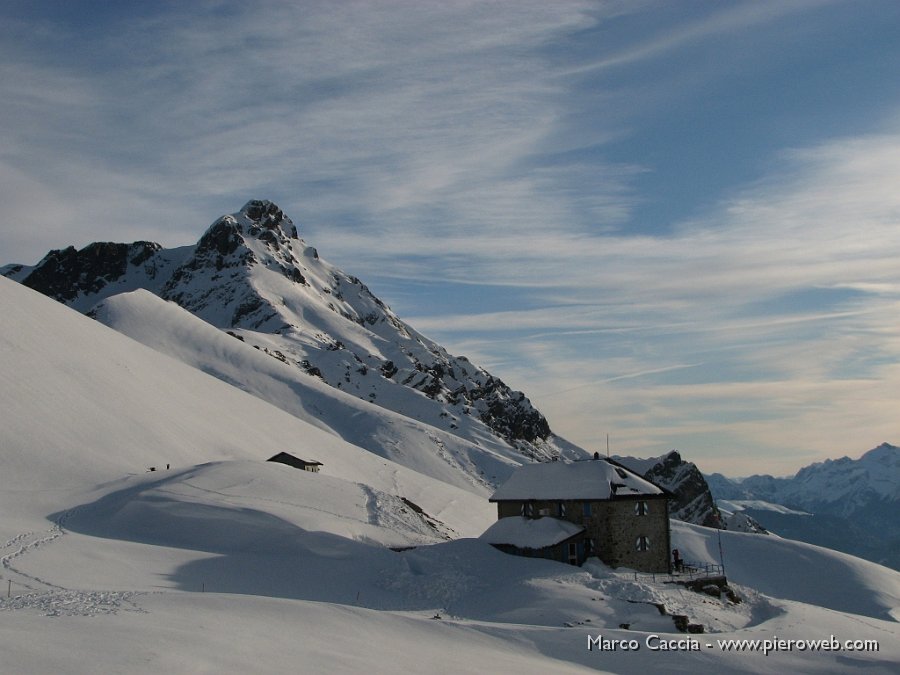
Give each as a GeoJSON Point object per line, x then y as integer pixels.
{"type": "Point", "coordinates": [596, 455]}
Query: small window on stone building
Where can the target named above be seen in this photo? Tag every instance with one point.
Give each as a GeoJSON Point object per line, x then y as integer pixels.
{"type": "Point", "coordinates": [528, 509]}
{"type": "Point", "coordinates": [586, 509]}
{"type": "Point", "coordinates": [641, 508]}
{"type": "Point", "coordinates": [561, 509]}
{"type": "Point", "coordinates": [642, 544]}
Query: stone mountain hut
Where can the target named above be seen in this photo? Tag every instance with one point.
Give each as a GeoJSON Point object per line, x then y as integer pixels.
{"type": "Point", "coordinates": [569, 511]}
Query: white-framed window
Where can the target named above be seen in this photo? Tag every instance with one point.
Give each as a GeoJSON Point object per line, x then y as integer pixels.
{"type": "Point", "coordinates": [641, 508]}
{"type": "Point", "coordinates": [642, 543]}
{"type": "Point", "coordinates": [527, 509]}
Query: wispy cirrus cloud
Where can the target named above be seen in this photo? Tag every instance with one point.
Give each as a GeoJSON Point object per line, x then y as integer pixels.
{"type": "Point", "coordinates": [769, 321]}
{"type": "Point", "coordinates": [723, 21]}
{"type": "Point", "coordinates": [352, 111]}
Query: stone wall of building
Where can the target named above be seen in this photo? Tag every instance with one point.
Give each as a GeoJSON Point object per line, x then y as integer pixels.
{"type": "Point", "coordinates": [634, 536]}
{"type": "Point", "coordinates": [613, 526]}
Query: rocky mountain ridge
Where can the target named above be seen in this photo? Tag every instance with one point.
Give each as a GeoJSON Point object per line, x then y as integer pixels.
{"type": "Point", "coordinates": [251, 275]}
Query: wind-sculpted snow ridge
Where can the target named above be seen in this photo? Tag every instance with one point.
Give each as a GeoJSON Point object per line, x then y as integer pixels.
{"type": "Point", "coordinates": [98, 406]}
{"type": "Point", "coordinates": [252, 276]}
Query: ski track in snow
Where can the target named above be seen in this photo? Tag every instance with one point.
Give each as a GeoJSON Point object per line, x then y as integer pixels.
{"type": "Point", "coordinates": [46, 597]}
{"type": "Point", "coordinates": [30, 541]}
{"type": "Point", "coordinates": [74, 603]}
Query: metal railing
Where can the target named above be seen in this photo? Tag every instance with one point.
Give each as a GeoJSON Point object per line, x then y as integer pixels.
{"type": "Point", "coordinates": [693, 569]}
{"type": "Point", "coordinates": [687, 570]}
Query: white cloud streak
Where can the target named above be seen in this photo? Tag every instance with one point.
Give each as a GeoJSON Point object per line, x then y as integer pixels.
{"type": "Point", "coordinates": [823, 375]}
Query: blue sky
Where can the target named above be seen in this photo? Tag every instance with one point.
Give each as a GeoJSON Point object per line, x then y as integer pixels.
{"type": "Point", "coordinates": [672, 222]}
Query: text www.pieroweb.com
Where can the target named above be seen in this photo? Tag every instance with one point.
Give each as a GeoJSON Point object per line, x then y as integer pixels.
{"type": "Point", "coordinates": [767, 646]}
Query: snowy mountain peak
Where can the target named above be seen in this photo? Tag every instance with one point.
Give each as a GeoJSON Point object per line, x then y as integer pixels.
{"type": "Point", "coordinates": [250, 275]}
{"type": "Point", "coordinates": [876, 474]}
{"type": "Point", "coordinates": [265, 216]}
{"type": "Point", "coordinates": [856, 503]}
{"type": "Point", "coordinates": [258, 220]}
{"type": "Point", "coordinates": [885, 453]}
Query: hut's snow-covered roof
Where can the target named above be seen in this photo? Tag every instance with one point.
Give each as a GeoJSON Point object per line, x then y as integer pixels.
{"type": "Point", "coordinates": [530, 532]}
{"type": "Point", "coordinates": [585, 480]}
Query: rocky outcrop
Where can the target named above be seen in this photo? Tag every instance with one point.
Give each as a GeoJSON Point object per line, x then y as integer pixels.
{"type": "Point", "coordinates": [693, 502]}
{"type": "Point", "coordinates": [66, 273]}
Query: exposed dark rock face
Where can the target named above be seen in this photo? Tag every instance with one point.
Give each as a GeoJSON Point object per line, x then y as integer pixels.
{"type": "Point", "coordinates": [221, 239]}
{"type": "Point", "coordinates": [510, 413]}
{"type": "Point", "coordinates": [693, 501]}
{"type": "Point", "coordinates": [64, 274]}
{"type": "Point", "coordinates": [267, 216]}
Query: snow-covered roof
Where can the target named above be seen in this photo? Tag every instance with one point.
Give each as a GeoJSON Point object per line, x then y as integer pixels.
{"type": "Point", "coordinates": [590, 479]}
{"type": "Point", "coordinates": [530, 532]}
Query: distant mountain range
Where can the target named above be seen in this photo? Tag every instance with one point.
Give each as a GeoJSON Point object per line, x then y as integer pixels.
{"type": "Point", "coordinates": [851, 505]}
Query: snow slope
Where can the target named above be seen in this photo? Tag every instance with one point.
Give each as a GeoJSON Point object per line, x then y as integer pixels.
{"type": "Point", "coordinates": [226, 563]}
{"type": "Point", "coordinates": [172, 330]}
{"type": "Point", "coordinates": [85, 405]}
{"type": "Point", "coordinates": [797, 571]}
